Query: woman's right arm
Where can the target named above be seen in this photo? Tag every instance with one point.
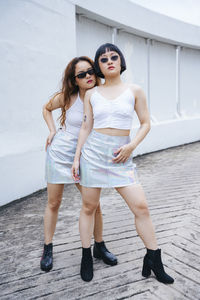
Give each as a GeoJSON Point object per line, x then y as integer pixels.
{"type": "Point", "coordinates": [85, 130]}
{"type": "Point", "coordinates": [52, 104]}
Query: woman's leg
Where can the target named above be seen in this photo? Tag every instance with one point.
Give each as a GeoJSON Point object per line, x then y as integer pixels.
{"type": "Point", "coordinates": [98, 225]}
{"type": "Point", "coordinates": [100, 250]}
{"type": "Point", "coordinates": [55, 192]}
{"type": "Point", "coordinates": [90, 198]}
{"type": "Point", "coordinates": [90, 202]}
{"type": "Point", "coordinates": [136, 200]}
{"type": "Point", "coordinates": [98, 222]}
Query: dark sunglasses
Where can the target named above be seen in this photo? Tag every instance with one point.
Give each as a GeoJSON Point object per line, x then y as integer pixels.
{"type": "Point", "coordinates": [83, 74]}
{"type": "Point", "coordinates": [105, 59]}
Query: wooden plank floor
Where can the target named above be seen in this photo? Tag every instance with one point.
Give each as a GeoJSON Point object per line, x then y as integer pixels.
{"type": "Point", "coordinates": [171, 180]}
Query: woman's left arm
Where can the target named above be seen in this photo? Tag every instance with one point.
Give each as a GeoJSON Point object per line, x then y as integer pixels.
{"type": "Point", "coordinates": [143, 115]}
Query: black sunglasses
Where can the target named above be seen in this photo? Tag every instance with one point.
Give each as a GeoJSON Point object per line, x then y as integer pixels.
{"type": "Point", "coordinates": [105, 59]}
{"type": "Point", "coordinates": [83, 74]}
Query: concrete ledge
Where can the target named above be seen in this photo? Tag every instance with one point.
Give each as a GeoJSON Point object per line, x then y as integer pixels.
{"type": "Point", "coordinates": [21, 175]}
{"type": "Point", "coordinates": [169, 134]}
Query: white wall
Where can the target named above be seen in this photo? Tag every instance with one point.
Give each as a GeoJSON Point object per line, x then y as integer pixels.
{"type": "Point", "coordinates": [139, 20]}
{"type": "Point", "coordinates": [183, 10]}
{"type": "Point", "coordinates": [90, 35]}
{"type": "Point", "coordinates": [135, 51]}
{"type": "Point", "coordinates": [189, 82]}
{"type": "Point", "coordinates": [162, 81]}
{"type": "Point", "coordinates": [169, 77]}
{"type": "Point", "coordinates": [37, 40]}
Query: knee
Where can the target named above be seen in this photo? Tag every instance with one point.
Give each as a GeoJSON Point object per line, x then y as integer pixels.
{"type": "Point", "coordinates": [89, 208]}
{"type": "Point", "coordinates": [54, 205]}
{"type": "Point", "coordinates": [142, 210]}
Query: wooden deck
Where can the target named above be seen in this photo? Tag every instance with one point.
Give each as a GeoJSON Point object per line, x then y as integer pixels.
{"type": "Point", "coordinates": [171, 180]}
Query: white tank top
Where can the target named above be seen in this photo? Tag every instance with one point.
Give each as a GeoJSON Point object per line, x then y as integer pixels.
{"type": "Point", "coordinates": [74, 117]}
{"type": "Point", "coordinates": [116, 113]}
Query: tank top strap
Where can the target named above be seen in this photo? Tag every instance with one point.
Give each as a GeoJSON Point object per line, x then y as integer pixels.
{"type": "Point", "coordinates": [80, 101]}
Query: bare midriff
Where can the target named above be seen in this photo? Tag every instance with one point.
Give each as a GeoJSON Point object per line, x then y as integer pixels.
{"type": "Point", "coordinates": [113, 131]}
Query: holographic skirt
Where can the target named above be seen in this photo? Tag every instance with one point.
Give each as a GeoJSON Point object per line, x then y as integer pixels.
{"type": "Point", "coordinates": [96, 166]}
{"type": "Point", "coordinates": [60, 157]}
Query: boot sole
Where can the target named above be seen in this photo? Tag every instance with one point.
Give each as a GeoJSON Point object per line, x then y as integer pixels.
{"type": "Point", "coordinates": [148, 275]}
{"type": "Point", "coordinates": [86, 280]}
{"type": "Point", "coordinates": [46, 269]}
{"type": "Point", "coordinates": [145, 275]}
{"type": "Point", "coordinates": [114, 263]}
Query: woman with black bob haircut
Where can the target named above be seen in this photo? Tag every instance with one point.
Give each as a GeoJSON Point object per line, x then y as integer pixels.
{"type": "Point", "coordinates": [101, 50]}
{"type": "Point", "coordinates": [104, 152]}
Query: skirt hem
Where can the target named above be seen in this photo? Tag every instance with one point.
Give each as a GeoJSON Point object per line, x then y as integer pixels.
{"type": "Point", "coordinates": [110, 186]}
{"type": "Point", "coordinates": [66, 182]}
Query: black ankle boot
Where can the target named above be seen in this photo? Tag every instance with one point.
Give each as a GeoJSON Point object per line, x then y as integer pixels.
{"type": "Point", "coordinates": [100, 251]}
{"type": "Point", "coordinates": [46, 262]}
{"type": "Point", "coordinates": [152, 261]}
{"type": "Point", "coordinates": [86, 265]}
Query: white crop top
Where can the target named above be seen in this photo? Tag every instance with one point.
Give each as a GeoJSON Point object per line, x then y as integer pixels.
{"type": "Point", "coordinates": [116, 113]}
{"type": "Point", "coordinates": [74, 117]}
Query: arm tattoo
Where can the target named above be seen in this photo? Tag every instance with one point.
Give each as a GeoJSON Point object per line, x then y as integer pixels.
{"type": "Point", "coordinates": [84, 119]}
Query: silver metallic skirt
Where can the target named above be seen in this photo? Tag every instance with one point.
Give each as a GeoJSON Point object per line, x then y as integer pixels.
{"type": "Point", "coordinates": [96, 166]}
{"type": "Point", "coordinates": [60, 157]}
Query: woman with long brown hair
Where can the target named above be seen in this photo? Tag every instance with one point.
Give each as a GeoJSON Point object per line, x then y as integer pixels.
{"type": "Point", "coordinates": [79, 76]}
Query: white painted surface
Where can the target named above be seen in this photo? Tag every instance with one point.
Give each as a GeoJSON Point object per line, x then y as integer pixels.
{"type": "Point", "coordinates": [184, 10]}
{"type": "Point", "coordinates": [38, 38]}
{"type": "Point", "coordinates": [90, 35]}
{"type": "Point", "coordinates": [169, 134]}
{"type": "Point", "coordinates": [34, 50]}
{"type": "Point", "coordinates": [135, 50]}
{"type": "Point", "coordinates": [162, 81]}
{"type": "Point", "coordinates": [141, 21]}
{"type": "Point", "coordinates": [189, 82]}
{"type": "Point", "coordinates": [21, 174]}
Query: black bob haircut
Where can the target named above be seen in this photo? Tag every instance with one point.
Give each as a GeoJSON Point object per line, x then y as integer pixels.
{"type": "Point", "coordinates": [101, 50]}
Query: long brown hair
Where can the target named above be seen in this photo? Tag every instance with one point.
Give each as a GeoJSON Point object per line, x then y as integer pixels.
{"type": "Point", "coordinates": [69, 86]}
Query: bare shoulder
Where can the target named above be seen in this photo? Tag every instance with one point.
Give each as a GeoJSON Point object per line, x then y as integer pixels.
{"type": "Point", "coordinates": [89, 92]}
{"type": "Point", "coordinates": [137, 90]}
